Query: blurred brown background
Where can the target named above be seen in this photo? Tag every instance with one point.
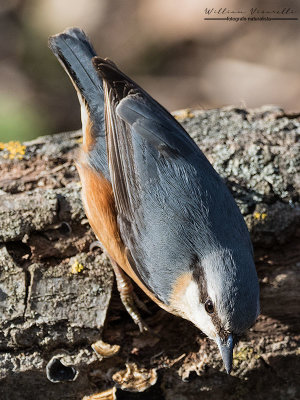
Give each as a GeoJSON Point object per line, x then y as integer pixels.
{"type": "Point", "coordinates": [165, 45]}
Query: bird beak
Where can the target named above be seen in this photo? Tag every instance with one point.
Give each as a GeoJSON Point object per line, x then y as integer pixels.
{"type": "Point", "coordinates": [226, 350]}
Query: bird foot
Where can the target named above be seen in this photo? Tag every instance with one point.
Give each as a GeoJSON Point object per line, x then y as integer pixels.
{"type": "Point", "coordinates": [140, 304]}
{"type": "Point", "coordinates": [129, 298]}
{"type": "Point", "coordinates": [129, 302]}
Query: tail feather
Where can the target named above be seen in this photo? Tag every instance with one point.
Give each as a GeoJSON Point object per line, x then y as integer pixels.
{"type": "Point", "coordinates": [75, 52]}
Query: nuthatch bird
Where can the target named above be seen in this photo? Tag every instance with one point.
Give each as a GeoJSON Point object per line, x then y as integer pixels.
{"type": "Point", "coordinates": [159, 209]}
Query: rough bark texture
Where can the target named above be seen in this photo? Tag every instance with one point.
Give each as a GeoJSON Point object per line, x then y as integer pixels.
{"type": "Point", "coordinates": [55, 292]}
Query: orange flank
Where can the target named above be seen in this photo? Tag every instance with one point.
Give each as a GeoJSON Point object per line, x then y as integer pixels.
{"type": "Point", "coordinates": [99, 203]}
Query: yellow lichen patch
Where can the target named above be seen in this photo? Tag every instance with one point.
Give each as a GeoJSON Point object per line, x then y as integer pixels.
{"type": "Point", "coordinates": [260, 216]}
{"type": "Point", "coordinates": [244, 354]}
{"type": "Point", "coordinates": [183, 114]}
{"type": "Point", "coordinates": [76, 268]}
{"type": "Point", "coordinates": [13, 150]}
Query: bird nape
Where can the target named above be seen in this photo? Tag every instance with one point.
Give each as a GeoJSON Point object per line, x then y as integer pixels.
{"type": "Point", "coordinates": [161, 212]}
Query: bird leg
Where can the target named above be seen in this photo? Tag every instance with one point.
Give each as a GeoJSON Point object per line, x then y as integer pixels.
{"type": "Point", "coordinates": [128, 297]}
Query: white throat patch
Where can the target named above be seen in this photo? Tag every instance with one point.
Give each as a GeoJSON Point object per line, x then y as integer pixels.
{"type": "Point", "coordinates": [195, 311]}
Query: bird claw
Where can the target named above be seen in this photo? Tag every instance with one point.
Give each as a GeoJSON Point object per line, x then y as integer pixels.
{"type": "Point", "coordinates": [129, 298]}
{"type": "Point", "coordinates": [140, 304]}
{"type": "Point", "coordinates": [130, 302]}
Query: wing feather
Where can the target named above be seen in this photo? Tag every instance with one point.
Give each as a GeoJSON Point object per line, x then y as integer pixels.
{"type": "Point", "coordinates": [168, 197]}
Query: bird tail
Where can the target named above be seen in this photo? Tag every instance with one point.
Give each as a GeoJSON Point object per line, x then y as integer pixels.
{"type": "Point", "coordinates": [75, 52]}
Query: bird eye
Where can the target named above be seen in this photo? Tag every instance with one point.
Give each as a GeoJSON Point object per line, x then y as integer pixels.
{"type": "Point", "coordinates": [209, 307]}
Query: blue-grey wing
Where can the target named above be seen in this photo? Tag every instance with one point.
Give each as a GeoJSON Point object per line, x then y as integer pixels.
{"type": "Point", "coordinates": [171, 204]}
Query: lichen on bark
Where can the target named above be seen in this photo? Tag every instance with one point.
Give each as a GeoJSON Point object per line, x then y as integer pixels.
{"type": "Point", "coordinates": [55, 292]}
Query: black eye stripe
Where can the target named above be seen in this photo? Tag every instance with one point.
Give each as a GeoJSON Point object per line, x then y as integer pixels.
{"type": "Point", "coordinates": [199, 277]}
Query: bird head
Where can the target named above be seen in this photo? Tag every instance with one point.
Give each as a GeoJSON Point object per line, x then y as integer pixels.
{"type": "Point", "coordinates": [221, 297]}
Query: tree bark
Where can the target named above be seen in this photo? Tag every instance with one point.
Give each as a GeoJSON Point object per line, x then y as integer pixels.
{"type": "Point", "coordinates": [56, 293]}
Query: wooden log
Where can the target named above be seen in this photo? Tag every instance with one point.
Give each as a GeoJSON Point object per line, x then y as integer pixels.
{"type": "Point", "coordinates": [55, 292]}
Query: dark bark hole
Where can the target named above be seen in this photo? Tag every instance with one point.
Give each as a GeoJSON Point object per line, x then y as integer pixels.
{"type": "Point", "coordinates": [58, 372]}
{"type": "Point", "coordinates": [19, 251]}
